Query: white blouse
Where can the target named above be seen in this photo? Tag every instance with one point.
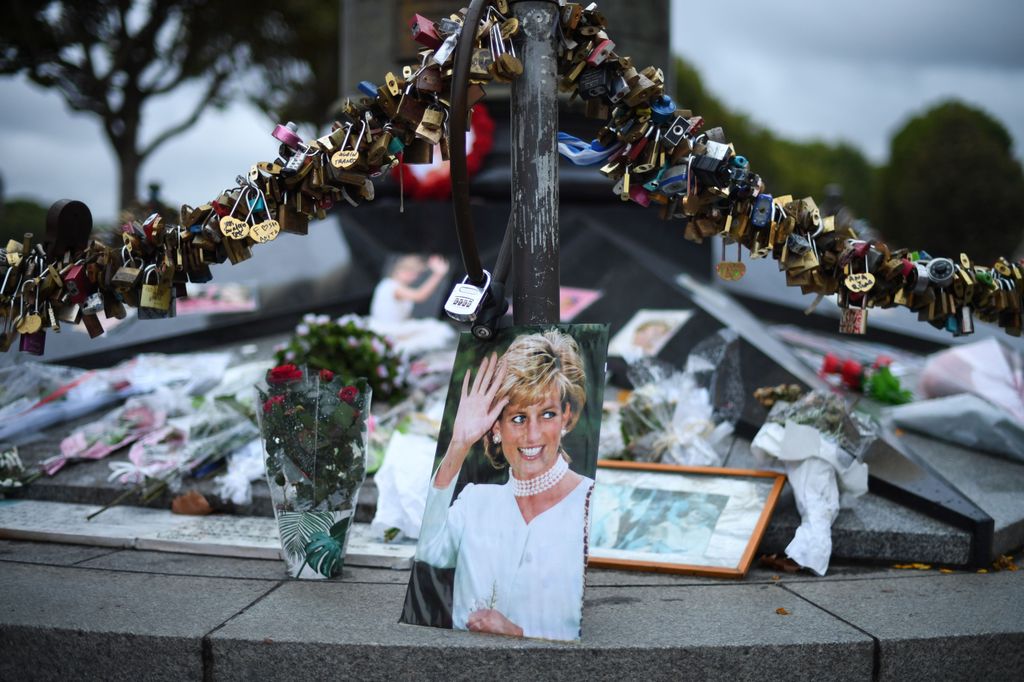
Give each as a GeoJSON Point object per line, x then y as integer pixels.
{"type": "Point", "coordinates": [531, 572]}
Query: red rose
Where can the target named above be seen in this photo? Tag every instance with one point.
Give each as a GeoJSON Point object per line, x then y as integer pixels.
{"type": "Point", "coordinates": [852, 373]}
{"type": "Point", "coordinates": [326, 375]}
{"type": "Point", "coordinates": [831, 364]}
{"type": "Point", "coordinates": [348, 394]}
{"type": "Point", "coordinates": [284, 374]}
{"type": "Point", "coordinates": [269, 405]}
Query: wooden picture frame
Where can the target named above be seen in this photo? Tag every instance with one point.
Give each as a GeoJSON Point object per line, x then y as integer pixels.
{"type": "Point", "coordinates": [675, 519]}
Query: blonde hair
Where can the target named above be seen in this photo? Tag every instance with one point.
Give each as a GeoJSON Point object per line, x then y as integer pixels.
{"type": "Point", "coordinates": [534, 364]}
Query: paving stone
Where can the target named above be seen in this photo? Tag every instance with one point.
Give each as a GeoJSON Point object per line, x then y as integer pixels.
{"type": "Point", "coordinates": [76, 623]}
{"type": "Point", "coordinates": [725, 631]}
{"type": "Point", "coordinates": [873, 529]}
{"type": "Point", "coordinates": [967, 625]}
{"type": "Point", "coordinates": [49, 553]}
{"type": "Point", "coordinates": [993, 483]}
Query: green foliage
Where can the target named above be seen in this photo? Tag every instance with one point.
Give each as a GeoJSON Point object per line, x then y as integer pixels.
{"type": "Point", "coordinates": [951, 185]}
{"type": "Point", "coordinates": [20, 216]}
{"type": "Point", "coordinates": [885, 387]}
{"type": "Point", "coordinates": [349, 349]}
{"type": "Point", "coordinates": [298, 528]}
{"type": "Point", "coordinates": [326, 551]}
{"type": "Point", "coordinates": [787, 167]}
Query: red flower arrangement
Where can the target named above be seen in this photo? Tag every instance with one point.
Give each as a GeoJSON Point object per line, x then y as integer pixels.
{"type": "Point", "coordinates": [271, 401]}
{"type": "Point", "coordinates": [326, 375]}
{"type": "Point", "coordinates": [348, 394]}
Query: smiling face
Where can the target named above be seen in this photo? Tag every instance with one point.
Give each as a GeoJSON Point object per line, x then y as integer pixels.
{"type": "Point", "coordinates": [531, 435]}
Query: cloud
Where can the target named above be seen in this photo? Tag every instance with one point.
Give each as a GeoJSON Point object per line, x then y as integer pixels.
{"type": "Point", "coordinates": [855, 72]}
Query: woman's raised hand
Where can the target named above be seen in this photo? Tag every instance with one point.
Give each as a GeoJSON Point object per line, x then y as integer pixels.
{"type": "Point", "coordinates": [477, 408]}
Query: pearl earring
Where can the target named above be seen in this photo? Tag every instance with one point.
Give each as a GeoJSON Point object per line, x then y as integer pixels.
{"type": "Point", "coordinates": [565, 431]}
{"type": "Point", "coordinates": [496, 438]}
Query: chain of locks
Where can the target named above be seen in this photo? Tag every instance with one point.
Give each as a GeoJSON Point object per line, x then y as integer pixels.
{"type": "Point", "coordinates": [656, 153]}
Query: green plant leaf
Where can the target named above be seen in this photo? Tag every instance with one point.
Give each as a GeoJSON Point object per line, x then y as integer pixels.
{"type": "Point", "coordinates": [324, 554]}
{"type": "Point", "coordinates": [297, 528]}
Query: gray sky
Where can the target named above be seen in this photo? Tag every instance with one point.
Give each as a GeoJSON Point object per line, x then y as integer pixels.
{"type": "Point", "coordinates": [833, 71]}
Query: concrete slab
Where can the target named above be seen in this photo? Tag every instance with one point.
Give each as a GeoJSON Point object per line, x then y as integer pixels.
{"type": "Point", "coordinates": [732, 631]}
{"type": "Point", "coordinates": [966, 624]}
{"type": "Point", "coordinates": [75, 623]}
{"type": "Point", "coordinates": [993, 483]}
{"type": "Point", "coordinates": [874, 529]}
{"type": "Point", "coordinates": [138, 561]}
{"type": "Point", "coordinates": [48, 553]}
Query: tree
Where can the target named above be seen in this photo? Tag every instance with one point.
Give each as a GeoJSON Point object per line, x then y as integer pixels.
{"type": "Point", "coordinates": [111, 57]}
{"type": "Point", "coordinates": [952, 185]}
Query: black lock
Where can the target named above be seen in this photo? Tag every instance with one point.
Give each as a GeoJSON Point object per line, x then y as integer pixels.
{"type": "Point", "coordinates": [711, 172]}
{"type": "Point", "coordinates": [675, 132]}
{"type": "Point", "coordinates": [593, 82]}
{"type": "Point", "coordinates": [797, 244]}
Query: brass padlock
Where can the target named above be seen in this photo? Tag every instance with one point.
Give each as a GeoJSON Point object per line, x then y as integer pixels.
{"type": "Point", "coordinates": [128, 275]}
{"type": "Point", "coordinates": [156, 296]}
{"type": "Point", "coordinates": [431, 126]}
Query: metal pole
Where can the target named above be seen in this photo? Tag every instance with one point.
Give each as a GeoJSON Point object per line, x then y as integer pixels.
{"type": "Point", "coordinates": [535, 166]}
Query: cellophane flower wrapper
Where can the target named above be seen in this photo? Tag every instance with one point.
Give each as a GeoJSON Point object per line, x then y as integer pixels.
{"type": "Point", "coordinates": [819, 443]}
{"type": "Point", "coordinates": [678, 417]}
{"type": "Point", "coordinates": [314, 433]}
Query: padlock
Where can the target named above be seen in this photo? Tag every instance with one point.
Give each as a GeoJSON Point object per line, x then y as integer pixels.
{"type": "Point", "coordinates": [429, 80]}
{"type": "Point", "coordinates": [424, 32]}
{"type": "Point", "coordinates": [430, 127]}
{"type": "Point", "coordinates": [294, 165]}
{"type": "Point", "coordinates": [126, 276]}
{"type": "Point", "coordinates": [762, 212]}
{"type": "Point", "coordinates": [940, 272]}
{"type": "Point", "coordinates": [853, 320]}
{"type": "Point", "coordinates": [601, 52]}
{"type": "Point", "coordinates": [593, 83]}
{"type": "Point", "coordinates": [156, 297]}
{"type": "Point", "coordinates": [93, 304]}
{"type": "Point", "coordinates": [34, 343]}
{"type": "Point", "coordinates": [76, 282]}
{"type": "Point", "coordinates": [467, 299]}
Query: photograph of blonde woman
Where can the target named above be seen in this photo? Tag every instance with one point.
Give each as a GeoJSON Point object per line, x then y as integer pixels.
{"type": "Point", "coordinates": [511, 536]}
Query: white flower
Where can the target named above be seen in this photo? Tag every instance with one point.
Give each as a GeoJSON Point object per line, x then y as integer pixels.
{"type": "Point", "coordinates": [302, 330]}
{"type": "Point", "coordinates": [290, 355]}
{"type": "Point", "coordinates": [322, 319]}
{"type": "Point", "coordinates": [377, 346]}
{"type": "Point", "coordinates": [352, 342]}
{"type": "Point", "coordinates": [280, 347]}
{"type": "Point", "coordinates": [382, 371]}
{"type": "Point", "coordinates": [309, 318]}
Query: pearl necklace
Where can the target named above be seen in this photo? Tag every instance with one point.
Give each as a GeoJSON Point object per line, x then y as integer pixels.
{"type": "Point", "coordinates": [546, 481]}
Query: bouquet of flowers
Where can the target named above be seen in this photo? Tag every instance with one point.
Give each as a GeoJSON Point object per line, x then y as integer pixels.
{"type": "Point", "coordinates": [347, 347]}
{"type": "Point", "coordinates": [314, 436]}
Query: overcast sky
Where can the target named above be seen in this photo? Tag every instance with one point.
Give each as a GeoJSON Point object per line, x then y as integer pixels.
{"type": "Point", "coordinates": [833, 71]}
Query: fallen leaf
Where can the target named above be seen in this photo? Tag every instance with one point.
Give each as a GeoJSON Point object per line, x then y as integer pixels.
{"type": "Point", "coordinates": [781, 611]}
{"type": "Point", "coordinates": [898, 432]}
{"type": "Point", "coordinates": [776, 577]}
{"type": "Point", "coordinates": [774, 561]}
{"type": "Point", "coordinates": [982, 570]}
{"type": "Point", "coordinates": [945, 570]}
{"type": "Point", "coordinates": [191, 503]}
{"type": "Point", "coordinates": [914, 566]}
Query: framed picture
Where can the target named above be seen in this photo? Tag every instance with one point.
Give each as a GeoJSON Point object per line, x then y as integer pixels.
{"type": "Point", "coordinates": [502, 543]}
{"type": "Point", "coordinates": [647, 332]}
{"type": "Point", "coordinates": [674, 519]}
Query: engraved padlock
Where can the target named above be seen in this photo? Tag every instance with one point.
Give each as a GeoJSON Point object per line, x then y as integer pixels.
{"type": "Point", "coordinates": [467, 299]}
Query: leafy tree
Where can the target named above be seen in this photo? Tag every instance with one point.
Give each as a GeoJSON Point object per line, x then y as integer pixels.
{"type": "Point", "coordinates": [20, 216]}
{"type": "Point", "coordinates": [952, 184]}
{"type": "Point", "coordinates": [797, 168]}
{"type": "Point", "coordinates": [112, 57]}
